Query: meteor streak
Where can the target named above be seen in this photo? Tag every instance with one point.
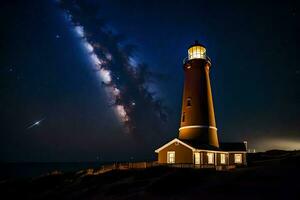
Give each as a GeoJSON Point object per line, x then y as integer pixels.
{"type": "Point", "coordinates": [37, 123]}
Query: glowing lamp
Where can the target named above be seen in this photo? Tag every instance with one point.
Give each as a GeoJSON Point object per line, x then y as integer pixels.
{"type": "Point", "coordinates": [196, 51]}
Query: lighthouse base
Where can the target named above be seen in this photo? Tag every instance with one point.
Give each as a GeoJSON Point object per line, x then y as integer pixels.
{"type": "Point", "coordinates": [200, 135]}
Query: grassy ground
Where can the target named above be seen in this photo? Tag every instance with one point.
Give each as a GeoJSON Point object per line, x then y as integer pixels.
{"type": "Point", "coordinates": [271, 175]}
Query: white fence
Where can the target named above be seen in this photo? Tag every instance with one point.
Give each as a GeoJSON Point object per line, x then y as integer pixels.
{"type": "Point", "coordinates": [144, 165]}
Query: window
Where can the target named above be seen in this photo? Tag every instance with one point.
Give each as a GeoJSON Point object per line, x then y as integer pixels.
{"type": "Point", "coordinates": [223, 158]}
{"type": "Point", "coordinates": [238, 158]}
{"type": "Point", "coordinates": [210, 158]}
{"type": "Point", "coordinates": [171, 157]}
{"type": "Point", "coordinates": [197, 158]}
{"type": "Point", "coordinates": [183, 117]}
{"type": "Point", "coordinates": [189, 101]}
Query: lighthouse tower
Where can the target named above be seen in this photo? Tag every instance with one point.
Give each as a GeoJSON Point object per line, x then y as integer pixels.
{"type": "Point", "coordinates": [198, 122]}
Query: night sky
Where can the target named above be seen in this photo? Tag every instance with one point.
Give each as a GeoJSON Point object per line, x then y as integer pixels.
{"type": "Point", "coordinates": [47, 74]}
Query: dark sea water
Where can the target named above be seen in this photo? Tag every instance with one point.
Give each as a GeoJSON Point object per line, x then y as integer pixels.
{"type": "Point", "coordinates": [28, 169]}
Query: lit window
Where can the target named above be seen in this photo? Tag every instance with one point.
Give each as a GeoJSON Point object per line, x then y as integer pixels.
{"type": "Point", "coordinates": [183, 117]}
{"type": "Point", "coordinates": [210, 158]}
{"type": "Point", "coordinates": [197, 52]}
{"type": "Point", "coordinates": [223, 160]}
{"type": "Point", "coordinates": [238, 158]}
{"type": "Point", "coordinates": [189, 101]}
{"type": "Point", "coordinates": [171, 157]}
{"type": "Point", "coordinates": [197, 158]}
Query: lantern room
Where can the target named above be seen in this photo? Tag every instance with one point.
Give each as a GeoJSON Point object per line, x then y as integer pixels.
{"type": "Point", "coordinates": [197, 51]}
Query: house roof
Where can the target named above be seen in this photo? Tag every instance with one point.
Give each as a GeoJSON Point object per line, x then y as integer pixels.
{"type": "Point", "coordinates": [233, 146]}
{"type": "Point", "coordinates": [171, 142]}
{"type": "Point", "coordinates": [194, 145]}
{"type": "Point", "coordinates": [198, 145]}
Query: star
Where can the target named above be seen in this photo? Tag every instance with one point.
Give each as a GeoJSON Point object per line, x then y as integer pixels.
{"type": "Point", "coordinates": [57, 36]}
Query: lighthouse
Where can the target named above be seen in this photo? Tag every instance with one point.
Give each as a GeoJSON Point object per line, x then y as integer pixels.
{"type": "Point", "coordinates": [198, 122]}
{"type": "Point", "coordinates": [197, 144]}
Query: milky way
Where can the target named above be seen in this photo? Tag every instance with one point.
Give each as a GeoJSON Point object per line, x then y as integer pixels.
{"type": "Point", "coordinates": [125, 80]}
{"type": "Point", "coordinates": [103, 73]}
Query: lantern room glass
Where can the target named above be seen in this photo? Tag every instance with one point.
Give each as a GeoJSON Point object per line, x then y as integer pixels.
{"type": "Point", "coordinates": [197, 52]}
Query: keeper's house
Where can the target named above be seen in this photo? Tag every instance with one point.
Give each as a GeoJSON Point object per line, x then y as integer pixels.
{"type": "Point", "coordinates": [179, 152]}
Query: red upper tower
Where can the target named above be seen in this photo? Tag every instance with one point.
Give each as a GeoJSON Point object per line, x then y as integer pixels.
{"type": "Point", "coordinates": [198, 122]}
